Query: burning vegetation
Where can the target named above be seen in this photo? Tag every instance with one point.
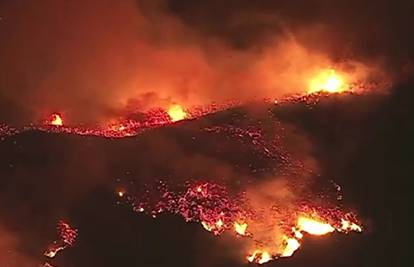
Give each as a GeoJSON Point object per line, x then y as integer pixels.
{"type": "Point", "coordinates": [134, 77]}
{"type": "Point", "coordinates": [267, 232]}
{"type": "Point", "coordinates": [271, 218]}
{"type": "Point", "coordinates": [218, 212]}
{"type": "Point", "coordinates": [269, 213]}
{"type": "Point", "coordinates": [328, 81]}
{"type": "Point", "coordinates": [66, 238]}
{"type": "Point", "coordinates": [55, 119]}
{"type": "Point", "coordinates": [176, 113]}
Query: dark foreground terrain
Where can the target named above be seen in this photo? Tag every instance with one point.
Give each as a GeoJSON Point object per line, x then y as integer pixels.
{"type": "Point", "coordinates": [364, 143]}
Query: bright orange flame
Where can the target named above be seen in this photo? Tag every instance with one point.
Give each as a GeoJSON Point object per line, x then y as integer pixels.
{"type": "Point", "coordinates": [314, 227]}
{"type": "Point", "coordinates": [327, 81]}
{"type": "Point", "coordinates": [176, 113]}
{"type": "Point", "coordinates": [259, 257]}
{"type": "Point", "coordinates": [240, 228]}
{"type": "Point", "coordinates": [56, 120]}
{"type": "Point", "coordinates": [52, 251]}
{"type": "Point", "coordinates": [297, 233]}
{"type": "Point", "coordinates": [350, 226]}
{"type": "Point", "coordinates": [206, 226]}
{"type": "Point", "coordinates": [291, 245]}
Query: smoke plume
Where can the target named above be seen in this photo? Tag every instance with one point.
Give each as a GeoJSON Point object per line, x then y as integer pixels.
{"type": "Point", "coordinates": [90, 59]}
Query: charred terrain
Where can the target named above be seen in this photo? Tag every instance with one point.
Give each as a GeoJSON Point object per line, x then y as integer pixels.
{"type": "Point", "coordinates": [361, 142]}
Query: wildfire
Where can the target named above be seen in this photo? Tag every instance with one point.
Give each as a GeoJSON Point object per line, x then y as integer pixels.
{"type": "Point", "coordinates": [347, 226]}
{"type": "Point", "coordinates": [67, 238]}
{"type": "Point", "coordinates": [291, 245]}
{"type": "Point", "coordinates": [259, 257]}
{"type": "Point", "coordinates": [217, 211]}
{"type": "Point", "coordinates": [314, 227]}
{"type": "Point", "coordinates": [52, 251]}
{"type": "Point", "coordinates": [56, 120]}
{"type": "Point", "coordinates": [327, 81]}
{"type": "Point", "coordinates": [176, 113]}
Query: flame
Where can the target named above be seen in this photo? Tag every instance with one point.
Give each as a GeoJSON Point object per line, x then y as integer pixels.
{"type": "Point", "coordinates": [52, 251]}
{"type": "Point", "coordinates": [259, 257]}
{"type": "Point", "coordinates": [206, 226]}
{"type": "Point", "coordinates": [291, 245]}
{"type": "Point", "coordinates": [219, 223]}
{"type": "Point", "coordinates": [176, 113]}
{"type": "Point", "coordinates": [328, 81]}
{"type": "Point", "coordinates": [56, 120]}
{"type": "Point", "coordinates": [217, 211]}
{"type": "Point", "coordinates": [298, 234]}
{"type": "Point", "coordinates": [240, 228]}
{"type": "Point", "coordinates": [349, 226]}
{"type": "Point", "coordinates": [314, 227]}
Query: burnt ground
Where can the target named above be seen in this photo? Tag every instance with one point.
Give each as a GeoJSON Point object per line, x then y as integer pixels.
{"type": "Point", "coordinates": [364, 143]}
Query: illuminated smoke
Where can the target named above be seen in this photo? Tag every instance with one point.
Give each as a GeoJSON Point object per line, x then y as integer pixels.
{"type": "Point", "coordinates": [77, 65]}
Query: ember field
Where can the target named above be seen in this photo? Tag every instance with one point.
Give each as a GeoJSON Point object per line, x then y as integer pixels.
{"type": "Point", "coordinates": [358, 143]}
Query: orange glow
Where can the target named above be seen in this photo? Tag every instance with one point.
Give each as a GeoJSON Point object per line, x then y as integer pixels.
{"type": "Point", "coordinates": [297, 233]}
{"type": "Point", "coordinates": [121, 193]}
{"type": "Point", "coordinates": [206, 226]}
{"type": "Point", "coordinates": [176, 113]}
{"type": "Point", "coordinates": [327, 81]}
{"type": "Point", "coordinates": [56, 120]}
{"type": "Point", "coordinates": [291, 245]}
{"type": "Point", "coordinates": [314, 227]}
{"type": "Point", "coordinates": [219, 223]}
{"type": "Point", "coordinates": [240, 228]}
{"type": "Point", "coordinates": [52, 251]}
{"type": "Point", "coordinates": [259, 257]}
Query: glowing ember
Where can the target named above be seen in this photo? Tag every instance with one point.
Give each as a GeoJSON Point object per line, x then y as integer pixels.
{"type": "Point", "coordinates": [219, 223]}
{"type": "Point", "coordinates": [67, 238]}
{"type": "Point", "coordinates": [240, 228]}
{"type": "Point", "coordinates": [53, 250]}
{"type": "Point", "coordinates": [56, 120]}
{"type": "Point", "coordinates": [259, 257]}
{"type": "Point", "coordinates": [219, 211]}
{"type": "Point", "coordinates": [206, 226]}
{"type": "Point", "coordinates": [347, 226]}
{"type": "Point", "coordinates": [291, 245]}
{"type": "Point", "coordinates": [314, 227]}
{"type": "Point", "coordinates": [275, 229]}
{"type": "Point", "coordinates": [327, 81]}
{"type": "Point", "coordinates": [176, 113]}
{"type": "Point", "coordinates": [121, 193]}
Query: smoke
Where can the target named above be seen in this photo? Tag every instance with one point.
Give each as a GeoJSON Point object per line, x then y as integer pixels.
{"type": "Point", "coordinates": [90, 59]}
{"type": "Point", "coordinates": [11, 250]}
